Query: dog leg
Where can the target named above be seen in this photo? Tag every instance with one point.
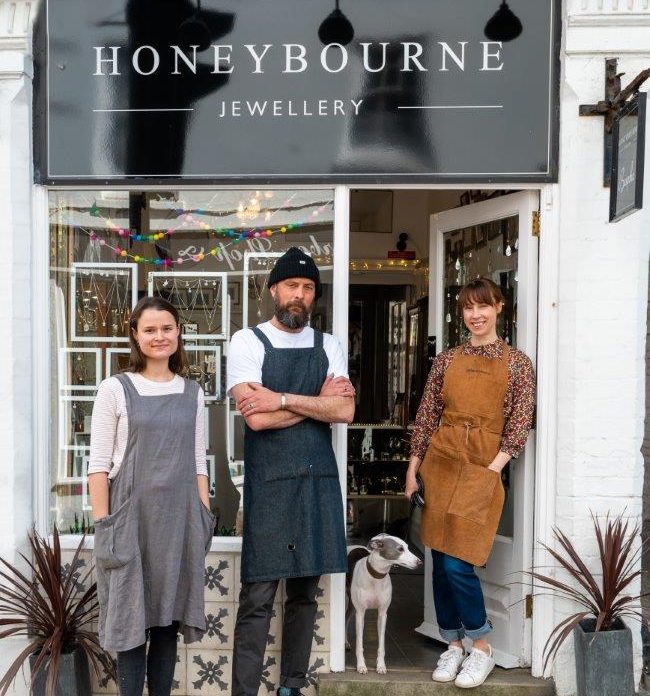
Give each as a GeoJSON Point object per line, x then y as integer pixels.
{"type": "Point", "coordinates": [361, 663]}
{"type": "Point", "coordinates": [349, 610]}
{"type": "Point", "coordinates": [381, 648]}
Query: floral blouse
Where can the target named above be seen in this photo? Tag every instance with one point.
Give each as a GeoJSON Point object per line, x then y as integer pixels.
{"type": "Point", "coordinates": [517, 409]}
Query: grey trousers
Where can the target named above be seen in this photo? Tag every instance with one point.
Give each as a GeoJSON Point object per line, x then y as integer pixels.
{"type": "Point", "coordinates": [252, 630]}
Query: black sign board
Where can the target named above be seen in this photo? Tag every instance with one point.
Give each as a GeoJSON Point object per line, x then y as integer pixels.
{"type": "Point", "coordinates": [628, 149]}
{"type": "Point", "coordinates": [410, 91]}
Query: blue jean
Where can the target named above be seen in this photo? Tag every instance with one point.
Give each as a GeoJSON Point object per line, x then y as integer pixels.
{"type": "Point", "coordinates": [458, 598]}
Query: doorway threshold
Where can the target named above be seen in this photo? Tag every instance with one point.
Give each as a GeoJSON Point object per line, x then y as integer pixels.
{"type": "Point", "coordinates": [502, 682]}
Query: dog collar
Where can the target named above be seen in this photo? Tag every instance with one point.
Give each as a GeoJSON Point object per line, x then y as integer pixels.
{"type": "Point", "coordinates": [376, 575]}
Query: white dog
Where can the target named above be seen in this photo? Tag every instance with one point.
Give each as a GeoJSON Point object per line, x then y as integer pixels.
{"type": "Point", "coordinates": [369, 587]}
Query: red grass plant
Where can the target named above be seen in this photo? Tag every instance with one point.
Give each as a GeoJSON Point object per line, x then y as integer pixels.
{"type": "Point", "coordinates": [49, 608]}
{"type": "Point", "coordinates": [607, 601]}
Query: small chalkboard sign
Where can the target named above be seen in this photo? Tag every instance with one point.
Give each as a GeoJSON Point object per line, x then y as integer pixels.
{"type": "Point", "coordinates": [626, 189]}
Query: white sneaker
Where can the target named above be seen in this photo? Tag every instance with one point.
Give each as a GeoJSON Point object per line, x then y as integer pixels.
{"type": "Point", "coordinates": [448, 664]}
{"type": "Point", "coordinates": [476, 668]}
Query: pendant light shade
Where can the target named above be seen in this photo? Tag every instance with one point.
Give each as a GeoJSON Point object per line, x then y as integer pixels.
{"type": "Point", "coordinates": [504, 25]}
{"type": "Point", "coordinates": [336, 28]}
{"type": "Point", "coordinates": [193, 31]}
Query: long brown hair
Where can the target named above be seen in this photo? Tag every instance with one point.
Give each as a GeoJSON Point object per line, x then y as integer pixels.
{"type": "Point", "coordinates": [178, 362]}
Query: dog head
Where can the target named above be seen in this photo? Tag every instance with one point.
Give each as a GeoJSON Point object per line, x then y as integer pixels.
{"type": "Point", "coordinates": [393, 549]}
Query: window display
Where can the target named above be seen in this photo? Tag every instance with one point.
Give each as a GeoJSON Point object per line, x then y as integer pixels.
{"type": "Point", "coordinates": [208, 252]}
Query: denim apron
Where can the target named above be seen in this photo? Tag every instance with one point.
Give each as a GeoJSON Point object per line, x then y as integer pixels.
{"type": "Point", "coordinates": [293, 510]}
{"type": "Point", "coordinates": [150, 550]}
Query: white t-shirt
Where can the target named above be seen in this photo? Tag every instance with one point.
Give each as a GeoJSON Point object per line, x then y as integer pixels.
{"type": "Point", "coordinates": [109, 428]}
{"type": "Point", "coordinates": [246, 352]}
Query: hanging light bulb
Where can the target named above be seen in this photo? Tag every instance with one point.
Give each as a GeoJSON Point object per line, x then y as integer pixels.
{"type": "Point", "coordinates": [504, 25]}
{"type": "Point", "coordinates": [336, 28]}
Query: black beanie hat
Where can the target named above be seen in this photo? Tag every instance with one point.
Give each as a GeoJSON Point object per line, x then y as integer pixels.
{"type": "Point", "coordinates": [294, 263]}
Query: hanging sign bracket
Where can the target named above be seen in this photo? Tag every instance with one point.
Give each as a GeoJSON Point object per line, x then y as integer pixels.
{"type": "Point", "coordinates": [615, 98]}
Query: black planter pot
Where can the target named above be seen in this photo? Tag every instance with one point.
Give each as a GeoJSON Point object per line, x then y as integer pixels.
{"type": "Point", "coordinates": [603, 660]}
{"type": "Point", "coordinates": [74, 675]}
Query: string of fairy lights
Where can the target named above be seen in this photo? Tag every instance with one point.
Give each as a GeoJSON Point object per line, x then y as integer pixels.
{"type": "Point", "coordinates": [189, 222]}
{"type": "Point", "coordinates": [234, 236]}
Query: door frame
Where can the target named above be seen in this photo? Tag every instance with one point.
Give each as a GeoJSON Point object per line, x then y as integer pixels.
{"type": "Point", "coordinates": [547, 373]}
{"type": "Point", "coordinates": [513, 558]}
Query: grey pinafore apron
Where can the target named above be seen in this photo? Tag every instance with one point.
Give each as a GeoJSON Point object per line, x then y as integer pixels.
{"type": "Point", "coordinates": [293, 510]}
{"type": "Point", "coordinates": [150, 550]}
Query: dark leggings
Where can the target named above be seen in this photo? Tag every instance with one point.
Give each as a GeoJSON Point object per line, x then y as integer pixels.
{"type": "Point", "coordinates": [159, 663]}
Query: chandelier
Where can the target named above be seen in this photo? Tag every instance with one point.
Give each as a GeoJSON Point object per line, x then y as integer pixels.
{"type": "Point", "coordinates": [250, 210]}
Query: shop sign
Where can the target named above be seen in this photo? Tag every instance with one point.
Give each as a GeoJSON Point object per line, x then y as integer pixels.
{"type": "Point", "coordinates": [628, 148]}
{"type": "Point", "coordinates": [283, 91]}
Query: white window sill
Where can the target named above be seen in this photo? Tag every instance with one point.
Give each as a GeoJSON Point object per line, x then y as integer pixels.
{"type": "Point", "coordinates": [219, 544]}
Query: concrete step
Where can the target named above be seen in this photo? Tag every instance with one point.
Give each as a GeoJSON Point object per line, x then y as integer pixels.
{"type": "Point", "coordinates": [502, 682]}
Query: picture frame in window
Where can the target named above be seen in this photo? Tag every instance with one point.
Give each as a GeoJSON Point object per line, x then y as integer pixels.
{"type": "Point", "coordinates": [234, 290]}
{"type": "Point", "coordinates": [74, 416]}
{"type": "Point", "coordinates": [205, 368]}
{"type": "Point", "coordinates": [175, 286]}
{"type": "Point", "coordinates": [102, 296]}
{"type": "Point", "coordinates": [79, 369]}
{"type": "Point", "coordinates": [116, 360]}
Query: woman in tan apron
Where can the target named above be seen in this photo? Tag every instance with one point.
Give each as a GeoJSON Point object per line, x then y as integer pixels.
{"type": "Point", "coordinates": [475, 415]}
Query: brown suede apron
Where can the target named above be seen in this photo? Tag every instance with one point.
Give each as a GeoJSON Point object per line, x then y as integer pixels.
{"type": "Point", "coordinates": [463, 498]}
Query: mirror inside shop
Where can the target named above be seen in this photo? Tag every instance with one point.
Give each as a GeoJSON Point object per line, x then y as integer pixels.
{"type": "Point", "coordinates": [210, 252]}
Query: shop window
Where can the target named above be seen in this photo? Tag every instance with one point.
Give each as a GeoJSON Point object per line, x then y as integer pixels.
{"type": "Point", "coordinates": [209, 252]}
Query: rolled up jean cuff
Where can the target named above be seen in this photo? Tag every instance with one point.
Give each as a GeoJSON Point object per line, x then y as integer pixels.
{"type": "Point", "coordinates": [451, 634]}
{"type": "Point", "coordinates": [479, 632]}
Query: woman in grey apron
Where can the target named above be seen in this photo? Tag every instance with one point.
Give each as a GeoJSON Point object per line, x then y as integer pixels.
{"type": "Point", "coordinates": [153, 526]}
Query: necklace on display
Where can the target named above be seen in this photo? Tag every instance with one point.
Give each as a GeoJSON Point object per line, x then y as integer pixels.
{"type": "Point", "coordinates": [109, 301]}
{"type": "Point", "coordinates": [260, 291]}
{"type": "Point", "coordinates": [189, 296]}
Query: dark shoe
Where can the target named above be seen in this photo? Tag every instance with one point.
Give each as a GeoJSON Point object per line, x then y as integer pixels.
{"type": "Point", "coordinates": [292, 692]}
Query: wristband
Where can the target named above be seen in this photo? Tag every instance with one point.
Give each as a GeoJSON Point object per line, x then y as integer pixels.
{"type": "Point", "coordinates": [283, 402]}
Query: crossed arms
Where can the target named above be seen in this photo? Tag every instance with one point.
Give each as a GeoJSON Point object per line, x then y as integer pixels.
{"type": "Point", "coordinates": [262, 408]}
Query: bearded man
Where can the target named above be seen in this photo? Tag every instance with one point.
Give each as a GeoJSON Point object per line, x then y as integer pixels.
{"type": "Point", "coordinates": [289, 382]}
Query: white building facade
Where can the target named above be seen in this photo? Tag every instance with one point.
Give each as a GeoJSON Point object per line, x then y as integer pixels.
{"type": "Point", "coordinates": [589, 312]}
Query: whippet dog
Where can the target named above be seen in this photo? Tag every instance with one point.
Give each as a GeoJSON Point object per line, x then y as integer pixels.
{"type": "Point", "coordinates": [369, 587]}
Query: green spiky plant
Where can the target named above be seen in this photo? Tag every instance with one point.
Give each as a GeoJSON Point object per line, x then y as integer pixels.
{"type": "Point", "coordinates": [607, 600]}
{"type": "Point", "coordinates": [47, 606]}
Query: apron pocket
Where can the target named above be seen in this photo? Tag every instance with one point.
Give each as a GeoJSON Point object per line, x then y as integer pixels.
{"type": "Point", "coordinates": [115, 543]}
{"type": "Point", "coordinates": [207, 519]}
{"type": "Point", "coordinates": [474, 493]}
{"type": "Point", "coordinates": [300, 469]}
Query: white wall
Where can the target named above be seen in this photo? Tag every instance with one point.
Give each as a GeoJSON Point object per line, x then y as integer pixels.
{"type": "Point", "coordinates": [603, 271]}
{"type": "Point", "coordinates": [411, 211]}
{"type": "Point", "coordinates": [15, 291]}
